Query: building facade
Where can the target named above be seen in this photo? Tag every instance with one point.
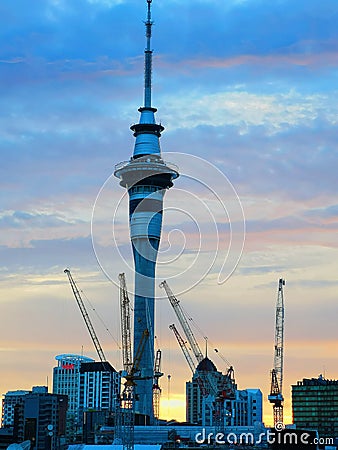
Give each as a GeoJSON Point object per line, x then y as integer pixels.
{"type": "Point", "coordinates": [6, 438]}
{"type": "Point", "coordinates": [235, 408]}
{"type": "Point", "coordinates": [66, 381]}
{"type": "Point", "coordinates": [315, 405]}
{"type": "Point", "coordinates": [11, 401]}
{"type": "Point", "coordinates": [45, 419]}
{"type": "Point", "coordinates": [199, 408]}
{"type": "Point", "coordinates": [247, 408]}
{"type": "Point", "coordinates": [99, 387]}
{"type": "Point", "coordinates": [37, 416]}
{"type": "Point", "coordinates": [90, 386]}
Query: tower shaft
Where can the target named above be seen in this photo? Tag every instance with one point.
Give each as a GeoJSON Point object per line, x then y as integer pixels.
{"type": "Point", "coordinates": [146, 177]}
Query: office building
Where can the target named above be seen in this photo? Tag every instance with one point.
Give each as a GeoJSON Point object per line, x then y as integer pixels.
{"type": "Point", "coordinates": [315, 405]}
{"type": "Point", "coordinates": [11, 400]}
{"type": "Point", "coordinates": [66, 381]}
{"type": "Point", "coordinates": [99, 387]}
{"type": "Point", "coordinates": [39, 417]}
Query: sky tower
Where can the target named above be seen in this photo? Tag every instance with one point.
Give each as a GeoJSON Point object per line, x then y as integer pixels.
{"type": "Point", "coordinates": [146, 177]}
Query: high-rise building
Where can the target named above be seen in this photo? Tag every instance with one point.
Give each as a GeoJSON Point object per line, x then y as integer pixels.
{"type": "Point", "coordinates": [90, 386]}
{"type": "Point", "coordinates": [44, 419]}
{"type": "Point", "coordinates": [11, 400]}
{"type": "Point", "coordinates": [66, 381]}
{"type": "Point", "coordinates": [315, 405]}
{"type": "Point", "coordinates": [146, 177]}
{"type": "Point", "coordinates": [198, 409]}
{"type": "Point", "coordinates": [244, 408]}
{"type": "Point", "coordinates": [99, 387]}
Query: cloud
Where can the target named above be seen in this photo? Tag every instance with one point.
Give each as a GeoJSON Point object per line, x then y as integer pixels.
{"type": "Point", "coordinates": [320, 61]}
{"type": "Point", "coordinates": [41, 256]}
{"type": "Point", "coordinates": [275, 112]}
{"type": "Point", "coordinates": [328, 212]}
{"type": "Point", "coordinates": [20, 219]}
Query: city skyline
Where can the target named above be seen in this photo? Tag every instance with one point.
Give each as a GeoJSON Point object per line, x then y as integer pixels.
{"type": "Point", "coordinates": [248, 86]}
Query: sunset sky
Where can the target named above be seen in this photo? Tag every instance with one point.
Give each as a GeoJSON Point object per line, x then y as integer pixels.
{"type": "Point", "coordinates": [247, 93]}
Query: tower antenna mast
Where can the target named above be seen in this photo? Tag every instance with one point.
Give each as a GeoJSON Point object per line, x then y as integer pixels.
{"type": "Point", "coordinates": [148, 55]}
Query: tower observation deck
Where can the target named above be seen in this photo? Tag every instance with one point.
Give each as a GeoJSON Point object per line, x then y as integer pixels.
{"type": "Point", "coordinates": [146, 177]}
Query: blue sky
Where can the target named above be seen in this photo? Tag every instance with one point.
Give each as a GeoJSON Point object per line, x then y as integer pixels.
{"type": "Point", "coordinates": [250, 86]}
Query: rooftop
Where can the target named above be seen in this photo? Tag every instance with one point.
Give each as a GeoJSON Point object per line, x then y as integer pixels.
{"type": "Point", "coordinates": [320, 381]}
{"type": "Point", "coordinates": [206, 365]}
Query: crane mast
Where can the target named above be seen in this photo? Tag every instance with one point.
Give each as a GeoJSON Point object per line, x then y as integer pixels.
{"type": "Point", "coordinates": [182, 343]}
{"type": "Point", "coordinates": [175, 303]}
{"type": "Point", "coordinates": [156, 384]}
{"type": "Point", "coordinates": [127, 347]}
{"type": "Point", "coordinates": [125, 419]}
{"type": "Point", "coordinates": [86, 317]}
{"type": "Point", "coordinates": [276, 390]}
{"type": "Point", "coordinates": [125, 324]}
{"type": "Point", "coordinates": [125, 410]}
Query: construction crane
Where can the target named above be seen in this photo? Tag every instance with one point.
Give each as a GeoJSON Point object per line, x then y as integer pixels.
{"type": "Point", "coordinates": [156, 385]}
{"type": "Point", "coordinates": [86, 317]}
{"type": "Point", "coordinates": [125, 410]}
{"type": "Point", "coordinates": [125, 324]}
{"type": "Point", "coordinates": [206, 382]}
{"type": "Point", "coordinates": [276, 391]}
{"type": "Point", "coordinates": [125, 420]}
{"type": "Point", "coordinates": [183, 321]}
{"type": "Point", "coordinates": [189, 336]}
{"type": "Point", "coordinates": [182, 343]}
{"type": "Point", "coordinates": [214, 396]}
{"type": "Point", "coordinates": [127, 348]}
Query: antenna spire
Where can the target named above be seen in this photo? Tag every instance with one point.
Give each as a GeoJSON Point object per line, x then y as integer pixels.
{"type": "Point", "coordinates": [148, 53]}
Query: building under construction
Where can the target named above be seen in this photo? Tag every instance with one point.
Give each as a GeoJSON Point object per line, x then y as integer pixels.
{"type": "Point", "coordinates": [239, 407]}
